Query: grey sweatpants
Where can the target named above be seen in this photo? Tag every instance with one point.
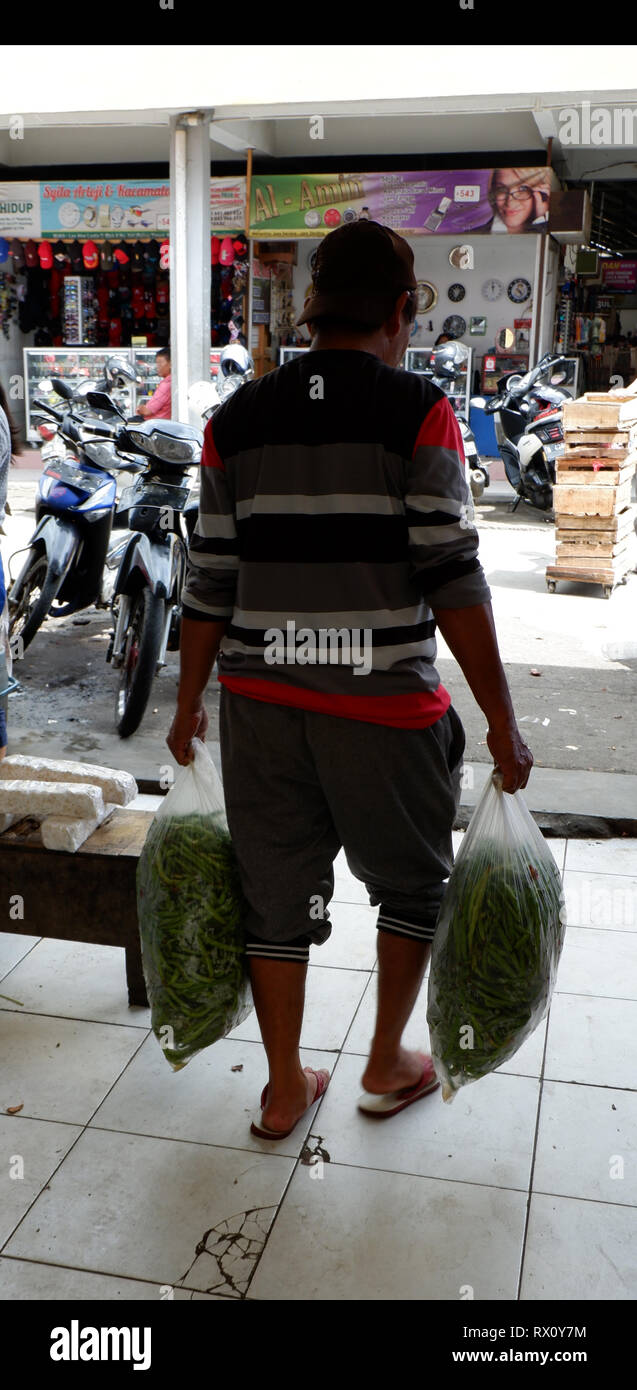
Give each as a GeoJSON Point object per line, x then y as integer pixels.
{"type": "Point", "coordinates": [300, 785]}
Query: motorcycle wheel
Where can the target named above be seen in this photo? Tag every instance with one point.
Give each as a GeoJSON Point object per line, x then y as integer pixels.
{"type": "Point", "coordinates": [143, 640]}
{"type": "Point", "coordinates": [28, 611]}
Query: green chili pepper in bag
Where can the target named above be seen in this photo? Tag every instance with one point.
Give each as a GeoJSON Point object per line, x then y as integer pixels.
{"type": "Point", "coordinates": [191, 911]}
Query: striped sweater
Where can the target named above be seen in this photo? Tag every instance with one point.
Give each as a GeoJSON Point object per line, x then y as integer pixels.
{"type": "Point", "coordinates": [334, 511]}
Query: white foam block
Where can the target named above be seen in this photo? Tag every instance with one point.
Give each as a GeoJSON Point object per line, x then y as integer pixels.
{"type": "Point", "coordinates": [118, 787]}
{"type": "Point", "coordinates": [67, 832]}
{"type": "Point", "coordinates": [40, 799]}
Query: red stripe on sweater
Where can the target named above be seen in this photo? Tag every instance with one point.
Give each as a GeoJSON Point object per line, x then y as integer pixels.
{"type": "Point", "coordinates": [440, 430]}
{"type": "Point", "coordinates": [209, 456]}
{"type": "Point", "coordinates": [414, 710]}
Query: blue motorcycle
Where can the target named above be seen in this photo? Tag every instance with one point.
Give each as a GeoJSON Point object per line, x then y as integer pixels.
{"type": "Point", "coordinates": [75, 505]}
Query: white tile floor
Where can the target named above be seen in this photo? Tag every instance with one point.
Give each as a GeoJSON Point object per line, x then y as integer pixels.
{"type": "Point", "coordinates": [119, 1176]}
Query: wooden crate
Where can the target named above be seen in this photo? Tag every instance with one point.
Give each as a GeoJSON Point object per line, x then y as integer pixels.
{"type": "Point", "coordinates": [578, 471]}
{"type": "Point", "coordinates": [593, 545]}
{"type": "Point", "coordinates": [590, 499]}
{"type": "Point", "coordinates": [620, 524]}
{"type": "Point", "coordinates": [606, 414]}
{"type": "Point", "coordinates": [601, 440]}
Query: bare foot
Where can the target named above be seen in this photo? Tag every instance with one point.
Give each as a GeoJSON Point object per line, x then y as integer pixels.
{"type": "Point", "coordinates": [381, 1078]}
{"type": "Point", "coordinates": [283, 1113]}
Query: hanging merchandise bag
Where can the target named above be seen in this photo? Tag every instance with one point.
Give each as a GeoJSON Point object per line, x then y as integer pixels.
{"type": "Point", "coordinates": [497, 944]}
{"type": "Point", "coordinates": [191, 911]}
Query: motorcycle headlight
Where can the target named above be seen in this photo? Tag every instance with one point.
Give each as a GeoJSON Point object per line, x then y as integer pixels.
{"type": "Point", "coordinates": [173, 450]}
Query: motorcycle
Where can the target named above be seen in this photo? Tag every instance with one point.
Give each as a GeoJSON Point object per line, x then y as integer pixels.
{"type": "Point", "coordinates": [75, 504]}
{"type": "Point", "coordinates": [529, 430]}
{"type": "Point", "coordinates": [162, 508]}
{"type": "Point", "coordinates": [148, 567]}
{"type": "Point", "coordinates": [447, 362]}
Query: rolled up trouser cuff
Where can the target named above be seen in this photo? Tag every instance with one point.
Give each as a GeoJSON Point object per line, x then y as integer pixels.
{"type": "Point", "coordinates": [399, 923]}
{"type": "Point", "coordinates": [297, 950]}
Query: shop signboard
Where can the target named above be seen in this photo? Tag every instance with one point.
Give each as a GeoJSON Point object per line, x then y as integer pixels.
{"type": "Point", "coordinates": [20, 210]}
{"type": "Point", "coordinates": [620, 275]}
{"type": "Point", "coordinates": [100, 209]}
{"type": "Point", "coordinates": [228, 204]}
{"type": "Point", "coordinates": [437, 203]}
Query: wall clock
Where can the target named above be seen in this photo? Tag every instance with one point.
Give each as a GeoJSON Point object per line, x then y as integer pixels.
{"type": "Point", "coordinates": [427, 295]}
{"type": "Point", "coordinates": [455, 326]}
{"type": "Point", "coordinates": [519, 290]}
{"type": "Point", "coordinates": [456, 292]}
{"type": "Point", "coordinates": [461, 257]}
{"type": "Point", "coordinates": [492, 289]}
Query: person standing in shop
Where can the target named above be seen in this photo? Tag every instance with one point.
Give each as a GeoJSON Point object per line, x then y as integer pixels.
{"type": "Point", "coordinates": [9, 444]}
{"type": "Point", "coordinates": [333, 493]}
{"type": "Point", "coordinates": [159, 407]}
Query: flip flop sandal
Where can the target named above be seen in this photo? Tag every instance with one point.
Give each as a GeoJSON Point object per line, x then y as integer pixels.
{"type": "Point", "coordinates": [393, 1101]}
{"type": "Point", "coordinates": [263, 1133]}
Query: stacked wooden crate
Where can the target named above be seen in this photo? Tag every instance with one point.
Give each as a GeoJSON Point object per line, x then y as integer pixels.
{"type": "Point", "coordinates": [594, 515]}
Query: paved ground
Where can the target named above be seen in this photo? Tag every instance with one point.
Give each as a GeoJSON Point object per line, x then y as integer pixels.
{"type": "Point", "coordinates": [576, 712]}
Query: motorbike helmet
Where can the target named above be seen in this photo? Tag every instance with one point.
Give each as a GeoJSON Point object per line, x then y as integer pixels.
{"type": "Point", "coordinates": [235, 360]}
{"type": "Point", "coordinates": [451, 356]}
{"type": "Point", "coordinates": [119, 373]}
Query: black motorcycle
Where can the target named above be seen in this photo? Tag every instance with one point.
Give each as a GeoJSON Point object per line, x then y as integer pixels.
{"type": "Point", "coordinates": [529, 430]}
{"type": "Point", "coordinates": [148, 566]}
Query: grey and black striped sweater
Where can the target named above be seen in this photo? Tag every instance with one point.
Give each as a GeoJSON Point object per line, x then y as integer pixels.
{"type": "Point", "coordinates": [333, 496]}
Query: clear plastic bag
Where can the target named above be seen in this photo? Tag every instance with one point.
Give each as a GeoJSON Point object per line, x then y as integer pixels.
{"type": "Point", "coordinates": [498, 941]}
{"type": "Point", "coordinates": [191, 909]}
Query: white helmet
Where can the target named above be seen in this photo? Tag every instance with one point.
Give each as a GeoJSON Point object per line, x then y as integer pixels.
{"type": "Point", "coordinates": [235, 360]}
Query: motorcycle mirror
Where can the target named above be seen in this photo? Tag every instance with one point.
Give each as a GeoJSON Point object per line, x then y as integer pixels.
{"type": "Point", "coordinates": [98, 401]}
{"type": "Point", "coordinates": [62, 388]}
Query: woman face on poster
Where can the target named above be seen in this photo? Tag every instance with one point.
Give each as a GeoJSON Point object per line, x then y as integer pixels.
{"type": "Point", "coordinates": [519, 198]}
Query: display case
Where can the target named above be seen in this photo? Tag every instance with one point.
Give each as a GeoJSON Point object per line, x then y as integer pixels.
{"type": "Point", "coordinates": [73, 365]}
{"type": "Point", "coordinates": [418, 359]}
{"type": "Point", "coordinates": [287, 354]}
{"type": "Point", "coordinates": [86, 363]}
{"type": "Point", "coordinates": [78, 310]}
{"type": "Point", "coordinates": [497, 364]}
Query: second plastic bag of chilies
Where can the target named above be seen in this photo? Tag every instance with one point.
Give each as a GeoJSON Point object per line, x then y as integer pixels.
{"type": "Point", "coordinates": [498, 942]}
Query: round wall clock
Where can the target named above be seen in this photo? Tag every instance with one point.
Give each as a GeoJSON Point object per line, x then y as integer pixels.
{"type": "Point", "coordinates": [455, 326]}
{"type": "Point", "coordinates": [518, 290]}
{"type": "Point", "coordinates": [461, 257]}
{"type": "Point", "coordinates": [492, 289]}
{"type": "Point", "coordinates": [427, 295]}
{"type": "Point", "coordinates": [456, 292]}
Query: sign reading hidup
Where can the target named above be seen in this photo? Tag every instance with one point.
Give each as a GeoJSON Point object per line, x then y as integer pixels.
{"type": "Point", "coordinates": [441, 202]}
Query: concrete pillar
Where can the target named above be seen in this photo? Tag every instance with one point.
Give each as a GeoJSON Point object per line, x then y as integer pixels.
{"type": "Point", "coordinates": [189, 256]}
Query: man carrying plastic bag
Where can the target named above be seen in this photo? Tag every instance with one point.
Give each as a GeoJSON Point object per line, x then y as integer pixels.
{"type": "Point", "coordinates": [333, 498]}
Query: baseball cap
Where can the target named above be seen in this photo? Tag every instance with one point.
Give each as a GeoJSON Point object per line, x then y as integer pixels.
{"type": "Point", "coordinates": [17, 254]}
{"type": "Point", "coordinates": [77, 261]}
{"type": "Point", "coordinates": [226, 253]}
{"type": "Point", "coordinates": [215, 247]}
{"type": "Point", "coordinates": [30, 253]}
{"type": "Point", "coordinates": [4, 249]}
{"type": "Point", "coordinates": [90, 255]}
{"type": "Point", "coordinates": [358, 268]}
{"type": "Point", "coordinates": [121, 253]}
{"type": "Point", "coordinates": [106, 256]}
{"type": "Point", "coordinates": [45, 252]}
